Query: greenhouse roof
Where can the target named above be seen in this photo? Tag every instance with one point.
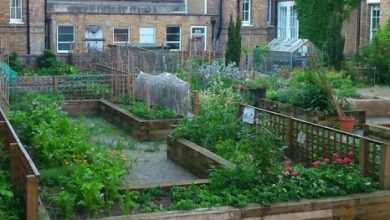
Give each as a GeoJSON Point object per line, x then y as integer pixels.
{"type": "Point", "coordinates": [287, 45]}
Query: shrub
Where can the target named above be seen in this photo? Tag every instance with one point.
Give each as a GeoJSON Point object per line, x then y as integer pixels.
{"type": "Point", "coordinates": [377, 56]}
{"type": "Point", "coordinates": [49, 65]}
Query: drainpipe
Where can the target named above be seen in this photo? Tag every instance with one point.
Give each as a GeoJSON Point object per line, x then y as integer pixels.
{"type": "Point", "coordinates": [359, 11]}
{"type": "Point", "coordinates": [28, 27]}
{"type": "Point", "coordinates": [220, 20]}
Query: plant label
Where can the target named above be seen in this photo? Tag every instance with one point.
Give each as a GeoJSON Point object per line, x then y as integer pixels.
{"type": "Point", "coordinates": [301, 137]}
{"type": "Point", "coordinates": [248, 115]}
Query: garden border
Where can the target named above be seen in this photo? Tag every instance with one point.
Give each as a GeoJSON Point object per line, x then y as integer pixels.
{"type": "Point", "coordinates": [357, 206]}
{"type": "Point", "coordinates": [24, 174]}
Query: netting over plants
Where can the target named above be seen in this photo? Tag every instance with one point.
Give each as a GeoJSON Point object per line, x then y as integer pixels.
{"type": "Point", "coordinates": [164, 90]}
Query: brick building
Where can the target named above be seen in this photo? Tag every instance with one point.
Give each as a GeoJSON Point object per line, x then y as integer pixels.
{"type": "Point", "coordinates": [21, 29]}
{"type": "Point", "coordinates": [196, 25]}
{"type": "Point", "coordinates": [363, 22]}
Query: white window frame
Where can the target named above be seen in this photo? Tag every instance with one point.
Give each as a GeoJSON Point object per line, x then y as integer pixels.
{"type": "Point", "coordinates": [373, 30]}
{"type": "Point", "coordinates": [285, 25]}
{"type": "Point", "coordinates": [128, 35]}
{"type": "Point", "coordinates": [166, 39]}
{"type": "Point", "coordinates": [16, 20]}
{"type": "Point", "coordinates": [205, 34]}
{"type": "Point", "coordinates": [205, 7]}
{"type": "Point", "coordinates": [71, 42]}
{"type": "Point", "coordinates": [269, 12]}
{"type": "Point", "coordinates": [154, 33]}
{"type": "Point", "coordinates": [249, 11]}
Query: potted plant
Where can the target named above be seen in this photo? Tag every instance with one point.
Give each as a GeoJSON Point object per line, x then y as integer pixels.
{"type": "Point", "coordinates": [346, 123]}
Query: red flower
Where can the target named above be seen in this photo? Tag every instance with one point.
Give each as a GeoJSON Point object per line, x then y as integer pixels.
{"type": "Point", "coordinates": [335, 155]}
{"type": "Point", "coordinates": [347, 160]}
{"type": "Point", "coordinates": [339, 160]}
{"type": "Point", "coordinates": [350, 154]}
{"type": "Point", "coordinates": [294, 173]}
{"type": "Point", "coordinates": [287, 163]}
{"type": "Point", "coordinates": [326, 159]}
{"type": "Point", "coordinates": [316, 163]}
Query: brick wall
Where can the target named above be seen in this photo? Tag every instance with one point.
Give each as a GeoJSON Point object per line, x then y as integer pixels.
{"type": "Point", "coordinates": [385, 11]}
{"type": "Point", "coordinates": [14, 36]}
{"type": "Point", "coordinates": [107, 21]}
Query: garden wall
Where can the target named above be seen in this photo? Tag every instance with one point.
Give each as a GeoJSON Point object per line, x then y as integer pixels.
{"type": "Point", "coordinates": [193, 157]}
{"type": "Point", "coordinates": [372, 107]}
{"type": "Point", "coordinates": [141, 129]}
{"type": "Point", "coordinates": [24, 174]}
{"type": "Point", "coordinates": [370, 206]}
{"type": "Point", "coordinates": [379, 132]}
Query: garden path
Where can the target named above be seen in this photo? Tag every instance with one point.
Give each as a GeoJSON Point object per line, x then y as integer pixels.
{"type": "Point", "coordinates": [148, 160]}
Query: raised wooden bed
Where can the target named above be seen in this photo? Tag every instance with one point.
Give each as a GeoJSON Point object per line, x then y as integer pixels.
{"type": "Point", "coordinates": [142, 129]}
{"type": "Point", "coordinates": [193, 157]}
{"type": "Point", "coordinates": [315, 117]}
{"type": "Point", "coordinates": [24, 174]}
{"type": "Point", "coordinates": [199, 160]}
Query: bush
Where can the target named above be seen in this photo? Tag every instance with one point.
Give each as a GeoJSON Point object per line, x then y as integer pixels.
{"type": "Point", "coordinates": [377, 56]}
{"type": "Point", "coordinates": [15, 64]}
{"type": "Point", "coordinates": [49, 65]}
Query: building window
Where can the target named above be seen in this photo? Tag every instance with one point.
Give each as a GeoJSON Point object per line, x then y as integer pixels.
{"type": "Point", "coordinates": [147, 35]}
{"type": "Point", "coordinates": [173, 38]}
{"type": "Point", "coordinates": [198, 38]}
{"type": "Point", "coordinates": [269, 12]}
{"type": "Point", "coordinates": [16, 11]}
{"type": "Point", "coordinates": [65, 38]}
{"type": "Point", "coordinates": [246, 12]}
{"type": "Point", "coordinates": [288, 25]}
{"type": "Point", "coordinates": [121, 35]}
{"type": "Point", "coordinates": [93, 37]}
{"type": "Point", "coordinates": [374, 19]}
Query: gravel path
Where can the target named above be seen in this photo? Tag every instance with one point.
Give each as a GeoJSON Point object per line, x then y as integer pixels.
{"type": "Point", "coordinates": [148, 160]}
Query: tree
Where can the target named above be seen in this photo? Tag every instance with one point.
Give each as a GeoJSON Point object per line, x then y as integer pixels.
{"type": "Point", "coordinates": [335, 43]}
{"type": "Point", "coordinates": [233, 47]}
{"type": "Point", "coordinates": [321, 22]}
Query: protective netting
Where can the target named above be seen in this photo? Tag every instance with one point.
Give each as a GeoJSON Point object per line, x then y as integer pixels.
{"type": "Point", "coordinates": [164, 90]}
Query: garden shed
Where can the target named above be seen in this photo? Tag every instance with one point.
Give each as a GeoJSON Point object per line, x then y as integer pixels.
{"type": "Point", "coordinates": [289, 53]}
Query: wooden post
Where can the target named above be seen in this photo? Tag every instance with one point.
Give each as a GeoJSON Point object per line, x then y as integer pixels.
{"type": "Point", "coordinates": [363, 157]}
{"type": "Point", "coordinates": [14, 163]}
{"type": "Point", "coordinates": [385, 167]}
{"type": "Point", "coordinates": [55, 83]}
{"type": "Point", "coordinates": [196, 103]}
{"type": "Point", "coordinates": [289, 137]}
{"type": "Point", "coordinates": [32, 195]}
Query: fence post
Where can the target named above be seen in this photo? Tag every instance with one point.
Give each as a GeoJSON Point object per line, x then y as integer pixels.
{"type": "Point", "coordinates": [32, 195]}
{"type": "Point", "coordinates": [289, 137]}
{"type": "Point", "coordinates": [385, 167]}
{"type": "Point", "coordinates": [14, 163]}
{"type": "Point", "coordinates": [196, 103]}
{"type": "Point", "coordinates": [55, 83]}
{"type": "Point", "coordinates": [363, 157]}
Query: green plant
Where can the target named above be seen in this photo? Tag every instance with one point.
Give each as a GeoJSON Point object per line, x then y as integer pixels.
{"type": "Point", "coordinates": [154, 147]}
{"type": "Point", "coordinates": [65, 203]}
{"type": "Point", "coordinates": [126, 203]}
{"type": "Point", "coordinates": [49, 65]}
{"type": "Point", "coordinates": [15, 64]}
{"type": "Point", "coordinates": [142, 110]}
{"type": "Point", "coordinates": [376, 55]}
{"type": "Point", "coordinates": [233, 46]}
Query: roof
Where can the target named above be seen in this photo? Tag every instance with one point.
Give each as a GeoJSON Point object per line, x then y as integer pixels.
{"type": "Point", "coordinates": [288, 45]}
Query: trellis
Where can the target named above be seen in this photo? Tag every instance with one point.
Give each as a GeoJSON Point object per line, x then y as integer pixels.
{"type": "Point", "coordinates": [307, 141]}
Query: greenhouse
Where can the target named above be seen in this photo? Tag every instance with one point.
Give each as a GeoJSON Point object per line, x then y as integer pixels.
{"type": "Point", "coordinates": [289, 53]}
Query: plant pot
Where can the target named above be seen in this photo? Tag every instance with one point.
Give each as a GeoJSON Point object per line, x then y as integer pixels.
{"type": "Point", "coordinates": [347, 124]}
